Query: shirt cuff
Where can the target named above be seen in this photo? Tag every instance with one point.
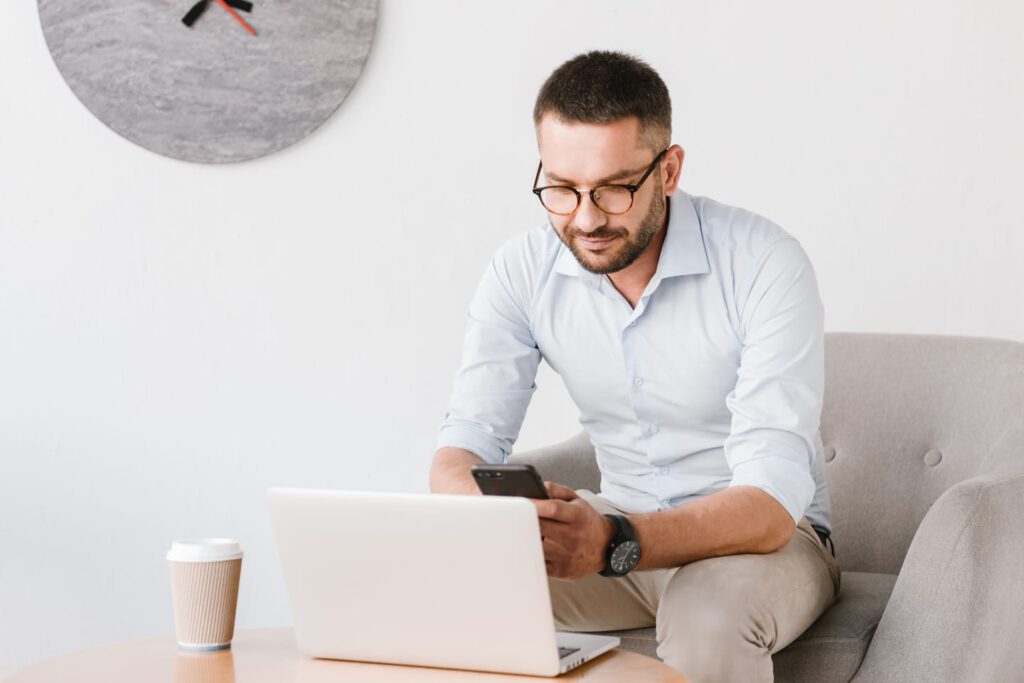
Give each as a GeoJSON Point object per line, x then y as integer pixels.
{"type": "Point", "coordinates": [780, 478]}
{"type": "Point", "coordinates": [480, 445]}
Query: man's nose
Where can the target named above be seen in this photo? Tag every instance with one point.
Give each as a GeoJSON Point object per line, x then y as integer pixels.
{"type": "Point", "coordinates": [588, 217]}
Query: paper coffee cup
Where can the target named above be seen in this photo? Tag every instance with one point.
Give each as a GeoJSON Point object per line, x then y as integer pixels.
{"type": "Point", "coordinates": [204, 586]}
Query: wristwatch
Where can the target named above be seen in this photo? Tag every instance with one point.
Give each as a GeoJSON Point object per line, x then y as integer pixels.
{"type": "Point", "coordinates": [623, 553]}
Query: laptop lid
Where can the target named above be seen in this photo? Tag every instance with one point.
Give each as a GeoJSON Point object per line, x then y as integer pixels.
{"type": "Point", "coordinates": [428, 580]}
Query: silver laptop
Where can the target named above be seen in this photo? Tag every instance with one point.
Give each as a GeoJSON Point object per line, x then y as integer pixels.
{"type": "Point", "coordinates": [430, 580]}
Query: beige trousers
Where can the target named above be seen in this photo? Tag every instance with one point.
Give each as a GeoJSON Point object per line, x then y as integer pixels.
{"type": "Point", "coordinates": [719, 619]}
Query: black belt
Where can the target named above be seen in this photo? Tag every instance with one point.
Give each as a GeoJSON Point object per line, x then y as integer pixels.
{"type": "Point", "coordinates": [826, 538]}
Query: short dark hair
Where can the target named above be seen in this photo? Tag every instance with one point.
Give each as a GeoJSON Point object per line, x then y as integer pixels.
{"type": "Point", "coordinates": [603, 87]}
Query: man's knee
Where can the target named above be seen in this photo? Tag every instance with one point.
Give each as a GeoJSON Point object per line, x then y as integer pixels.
{"type": "Point", "coordinates": [705, 618]}
{"type": "Point", "coordinates": [709, 630]}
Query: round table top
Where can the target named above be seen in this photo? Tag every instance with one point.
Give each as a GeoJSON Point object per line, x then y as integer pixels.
{"type": "Point", "coordinates": [270, 655]}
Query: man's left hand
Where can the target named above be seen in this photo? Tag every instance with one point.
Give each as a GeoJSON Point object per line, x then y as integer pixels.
{"type": "Point", "coordinates": [574, 534]}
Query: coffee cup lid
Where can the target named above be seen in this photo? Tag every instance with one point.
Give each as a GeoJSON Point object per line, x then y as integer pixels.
{"type": "Point", "coordinates": [204, 550]}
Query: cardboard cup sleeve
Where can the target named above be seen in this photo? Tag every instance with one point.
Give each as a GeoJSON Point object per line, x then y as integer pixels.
{"type": "Point", "coordinates": [205, 575]}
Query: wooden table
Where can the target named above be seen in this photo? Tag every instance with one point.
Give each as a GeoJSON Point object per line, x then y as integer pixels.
{"type": "Point", "coordinates": [270, 656]}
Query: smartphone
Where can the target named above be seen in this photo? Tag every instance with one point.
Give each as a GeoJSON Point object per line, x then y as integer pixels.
{"type": "Point", "coordinates": [509, 480]}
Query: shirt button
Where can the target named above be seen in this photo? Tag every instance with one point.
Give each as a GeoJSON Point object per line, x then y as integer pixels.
{"type": "Point", "coordinates": [652, 429]}
{"type": "Point", "coordinates": [663, 470]}
{"type": "Point", "coordinates": [632, 323]}
{"type": "Point", "coordinates": [638, 381]}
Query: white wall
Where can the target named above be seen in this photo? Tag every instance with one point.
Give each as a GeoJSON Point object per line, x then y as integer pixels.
{"type": "Point", "coordinates": [177, 337]}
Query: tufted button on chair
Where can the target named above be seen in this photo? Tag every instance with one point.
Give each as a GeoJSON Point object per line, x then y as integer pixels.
{"type": "Point", "coordinates": [924, 451]}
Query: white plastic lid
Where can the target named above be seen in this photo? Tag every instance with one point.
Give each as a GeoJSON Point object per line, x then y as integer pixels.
{"type": "Point", "coordinates": [204, 550]}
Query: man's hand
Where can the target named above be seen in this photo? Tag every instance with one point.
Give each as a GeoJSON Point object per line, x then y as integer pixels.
{"type": "Point", "coordinates": [575, 535]}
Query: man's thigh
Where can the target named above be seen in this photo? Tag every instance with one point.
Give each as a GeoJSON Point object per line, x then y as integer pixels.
{"type": "Point", "coordinates": [760, 601]}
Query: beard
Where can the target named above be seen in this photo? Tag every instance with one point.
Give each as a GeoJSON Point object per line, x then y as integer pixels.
{"type": "Point", "coordinates": [629, 251]}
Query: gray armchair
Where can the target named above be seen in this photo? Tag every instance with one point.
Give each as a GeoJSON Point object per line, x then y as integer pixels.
{"type": "Point", "coordinates": [924, 450]}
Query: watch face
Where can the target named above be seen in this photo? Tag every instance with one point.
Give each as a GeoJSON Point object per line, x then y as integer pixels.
{"type": "Point", "coordinates": [625, 557]}
{"type": "Point", "coordinates": [210, 80]}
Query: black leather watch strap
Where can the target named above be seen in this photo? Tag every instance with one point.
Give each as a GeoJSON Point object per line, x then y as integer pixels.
{"type": "Point", "coordinates": [624, 532]}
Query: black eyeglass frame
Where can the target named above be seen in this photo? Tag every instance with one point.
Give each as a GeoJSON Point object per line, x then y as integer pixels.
{"type": "Point", "coordinates": [579, 195]}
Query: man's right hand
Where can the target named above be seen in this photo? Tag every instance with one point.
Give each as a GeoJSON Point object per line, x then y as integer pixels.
{"type": "Point", "coordinates": [450, 473]}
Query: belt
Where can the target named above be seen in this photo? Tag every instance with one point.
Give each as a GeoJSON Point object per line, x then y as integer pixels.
{"type": "Point", "coordinates": [826, 538]}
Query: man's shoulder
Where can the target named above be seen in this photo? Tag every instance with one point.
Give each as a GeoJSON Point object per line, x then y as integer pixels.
{"type": "Point", "coordinates": [524, 263]}
{"type": "Point", "coordinates": [735, 232]}
{"type": "Point", "coordinates": [539, 244]}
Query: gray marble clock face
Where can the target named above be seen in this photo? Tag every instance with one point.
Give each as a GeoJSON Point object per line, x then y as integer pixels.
{"type": "Point", "coordinates": [213, 92]}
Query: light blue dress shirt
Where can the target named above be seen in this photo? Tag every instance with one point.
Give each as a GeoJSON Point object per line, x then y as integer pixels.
{"type": "Point", "coordinates": [714, 380]}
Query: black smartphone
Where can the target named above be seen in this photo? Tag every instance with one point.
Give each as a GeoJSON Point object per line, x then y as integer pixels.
{"type": "Point", "coordinates": [509, 480]}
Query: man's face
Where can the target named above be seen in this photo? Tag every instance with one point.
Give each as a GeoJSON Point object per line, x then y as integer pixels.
{"type": "Point", "coordinates": [587, 156]}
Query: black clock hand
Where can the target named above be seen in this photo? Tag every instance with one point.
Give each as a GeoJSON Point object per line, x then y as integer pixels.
{"type": "Point", "coordinates": [200, 7]}
{"type": "Point", "coordinates": [194, 13]}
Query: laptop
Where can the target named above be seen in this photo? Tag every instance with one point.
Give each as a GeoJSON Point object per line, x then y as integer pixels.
{"type": "Point", "coordinates": [434, 580]}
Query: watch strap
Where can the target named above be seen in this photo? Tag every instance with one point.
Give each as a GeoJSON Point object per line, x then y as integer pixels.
{"type": "Point", "coordinates": [624, 531]}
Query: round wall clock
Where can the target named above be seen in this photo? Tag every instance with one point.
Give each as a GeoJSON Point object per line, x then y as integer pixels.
{"type": "Point", "coordinates": [210, 80]}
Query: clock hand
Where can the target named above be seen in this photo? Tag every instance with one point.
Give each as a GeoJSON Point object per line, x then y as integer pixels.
{"type": "Point", "coordinates": [239, 19]}
{"type": "Point", "coordinates": [194, 13]}
{"type": "Point", "coordinates": [197, 11]}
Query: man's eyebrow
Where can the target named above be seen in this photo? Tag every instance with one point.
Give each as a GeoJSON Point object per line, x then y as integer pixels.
{"type": "Point", "coordinates": [602, 181]}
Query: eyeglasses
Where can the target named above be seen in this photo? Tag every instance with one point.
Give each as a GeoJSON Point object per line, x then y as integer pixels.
{"type": "Point", "coordinates": [563, 200]}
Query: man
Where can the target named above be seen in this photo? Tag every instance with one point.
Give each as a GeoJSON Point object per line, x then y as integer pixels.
{"type": "Point", "coordinates": [690, 336]}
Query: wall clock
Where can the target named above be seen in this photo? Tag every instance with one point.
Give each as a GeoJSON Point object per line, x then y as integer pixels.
{"type": "Point", "coordinates": [210, 81]}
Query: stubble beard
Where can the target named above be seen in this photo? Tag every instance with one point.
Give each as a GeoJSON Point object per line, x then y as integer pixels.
{"type": "Point", "coordinates": [628, 252]}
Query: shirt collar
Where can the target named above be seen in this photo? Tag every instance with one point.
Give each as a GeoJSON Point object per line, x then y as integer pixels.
{"type": "Point", "coordinates": [682, 253]}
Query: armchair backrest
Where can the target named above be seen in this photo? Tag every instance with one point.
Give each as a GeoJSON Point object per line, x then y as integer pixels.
{"type": "Point", "coordinates": [907, 417]}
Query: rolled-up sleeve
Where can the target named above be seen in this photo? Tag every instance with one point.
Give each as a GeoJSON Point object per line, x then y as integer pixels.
{"type": "Point", "coordinates": [776, 405]}
{"type": "Point", "coordinates": [496, 379]}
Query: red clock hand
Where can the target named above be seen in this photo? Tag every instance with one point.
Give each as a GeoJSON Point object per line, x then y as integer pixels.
{"type": "Point", "coordinates": [239, 19]}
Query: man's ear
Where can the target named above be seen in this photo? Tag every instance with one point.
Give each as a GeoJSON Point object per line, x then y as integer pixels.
{"type": "Point", "coordinates": [673, 169]}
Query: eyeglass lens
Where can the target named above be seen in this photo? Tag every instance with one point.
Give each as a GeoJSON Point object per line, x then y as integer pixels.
{"type": "Point", "coordinates": [610, 199]}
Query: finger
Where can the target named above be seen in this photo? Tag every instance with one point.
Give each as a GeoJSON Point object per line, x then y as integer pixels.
{"type": "Point", "coordinates": [553, 550]}
{"type": "Point", "coordinates": [558, 510]}
{"type": "Point", "coordinates": [553, 571]}
{"type": "Point", "coordinates": [558, 531]}
{"type": "Point", "coordinates": [560, 492]}
{"type": "Point", "coordinates": [555, 557]}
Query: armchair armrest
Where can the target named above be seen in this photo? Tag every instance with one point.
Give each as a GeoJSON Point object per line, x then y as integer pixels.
{"type": "Point", "coordinates": [570, 462]}
{"type": "Point", "coordinates": [955, 612]}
